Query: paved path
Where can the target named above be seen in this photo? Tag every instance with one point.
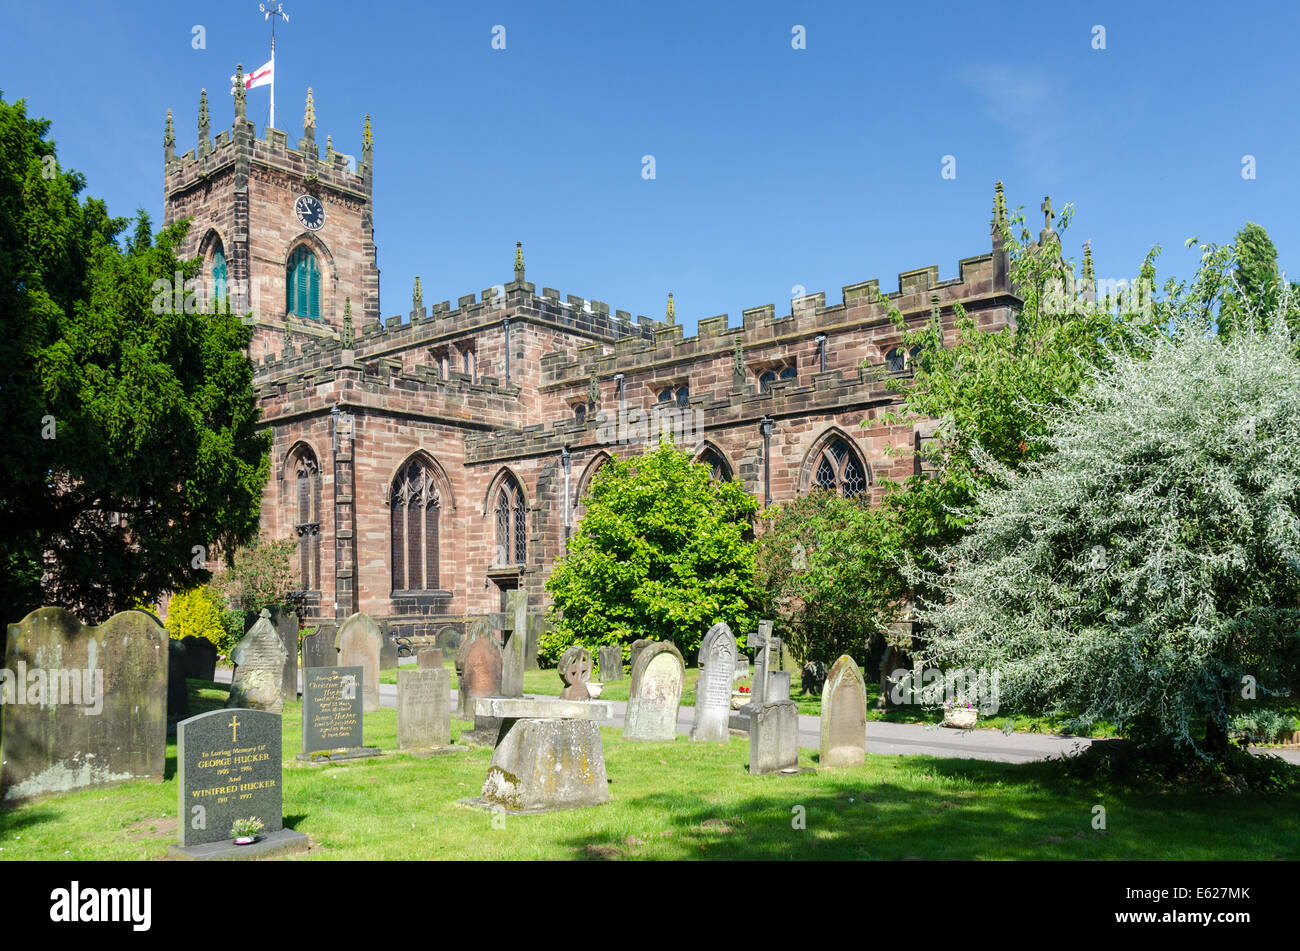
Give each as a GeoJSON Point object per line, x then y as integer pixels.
{"type": "Point", "coordinates": [899, 739]}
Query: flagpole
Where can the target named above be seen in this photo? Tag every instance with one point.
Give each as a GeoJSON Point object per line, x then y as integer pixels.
{"type": "Point", "coordinates": [272, 14]}
{"type": "Point", "coordinates": [273, 77]}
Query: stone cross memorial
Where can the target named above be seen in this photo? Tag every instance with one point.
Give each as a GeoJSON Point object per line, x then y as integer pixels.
{"type": "Point", "coordinates": [514, 626]}
{"type": "Point", "coordinates": [654, 694]}
{"type": "Point", "coordinates": [575, 671]}
{"type": "Point", "coordinates": [358, 644]}
{"type": "Point", "coordinates": [259, 661]}
{"type": "Point", "coordinates": [228, 766]}
{"type": "Point", "coordinates": [82, 706]}
{"type": "Point", "coordinates": [844, 715]}
{"type": "Point", "coordinates": [424, 710]}
{"type": "Point", "coordinates": [713, 690]}
{"type": "Point", "coordinates": [332, 709]}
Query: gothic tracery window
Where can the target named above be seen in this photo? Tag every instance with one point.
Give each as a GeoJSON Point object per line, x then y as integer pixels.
{"type": "Point", "coordinates": [415, 505]}
{"type": "Point", "coordinates": [718, 468]}
{"type": "Point", "coordinates": [302, 284]}
{"type": "Point", "coordinates": [511, 524]}
{"type": "Point", "coordinates": [837, 468]}
{"type": "Point", "coordinates": [306, 502]}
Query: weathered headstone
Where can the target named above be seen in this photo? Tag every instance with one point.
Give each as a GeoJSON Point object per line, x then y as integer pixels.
{"type": "Point", "coordinates": [742, 667]}
{"type": "Point", "coordinates": [785, 660]}
{"type": "Point", "coordinates": [482, 678]}
{"type": "Point", "coordinates": [575, 671]}
{"type": "Point", "coordinates": [332, 715]}
{"type": "Point", "coordinates": [318, 649]}
{"type": "Point", "coordinates": [778, 686]}
{"type": "Point", "coordinates": [428, 658]}
{"type": "Point", "coordinates": [285, 622]}
{"type": "Point", "coordinates": [259, 668]}
{"type": "Point", "coordinates": [423, 709]}
{"type": "Point", "coordinates": [387, 648]}
{"type": "Point", "coordinates": [717, 661]}
{"type": "Point", "coordinates": [654, 694]}
{"type": "Point", "coordinates": [82, 705]}
{"type": "Point", "coordinates": [774, 738]}
{"type": "Point", "coordinates": [228, 765]}
{"type": "Point", "coordinates": [178, 694]}
{"type": "Point", "coordinates": [200, 658]}
{"type": "Point", "coordinates": [358, 643]}
{"type": "Point", "coordinates": [515, 645]}
{"type": "Point", "coordinates": [449, 640]}
{"type": "Point", "coordinates": [611, 663]}
{"type": "Point", "coordinates": [635, 651]}
{"type": "Point", "coordinates": [844, 715]}
{"type": "Point", "coordinates": [538, 625]}
{"type": "Point", "coordinates": [475, 628]}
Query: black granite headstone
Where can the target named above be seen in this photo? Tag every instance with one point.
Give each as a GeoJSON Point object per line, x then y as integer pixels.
{"type": "Point", "coordinates": [331, 709]}
{"type": "Point", "coordinates": [318, 649]}
{"type": "Point", "coordinates": [178, 697]}
{"type": "Point", "coordinates": [200, 658]}
{"type": "Point", "coordinates": [229, 768]}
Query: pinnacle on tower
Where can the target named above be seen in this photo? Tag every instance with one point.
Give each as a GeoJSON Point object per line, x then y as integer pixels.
{"type": "Point", "coordinates": [169, 138]}
{"type": "Point", "coordinates": [367, 141]}
{"type": "Point", "coordinates": [205, 122]}
{"type": "Point", "coordinates": [346, 337]}
{"type": "Point", "coordinates": [999, 211]}
{"type": "Point", "coordinates": [1048, 233]}
{"type": "Point", "coordinates": [309, 117]}
{"type": "Point", "coordinates": [519, 260]}
{"type": "Point", "coordinates": [417, 294]}
{"type": "Point", "coordinates": [329, 148]}
{"type": "Point", "coordinates": [671, 313]}
{"type": "Point", "coordinates": [241, 94]}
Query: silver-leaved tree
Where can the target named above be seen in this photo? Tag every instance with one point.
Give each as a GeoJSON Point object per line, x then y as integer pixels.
{"type": "Point", "coordinates": [1146, 569]}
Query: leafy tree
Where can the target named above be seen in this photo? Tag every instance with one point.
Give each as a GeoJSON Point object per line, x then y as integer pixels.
{"type": "Point", "coordinates": [260, 575]}
{"type": "Point", "coordinates": [663, 552]}
{"type": "Point", "coordinates": [1257, 285]}
{"type": "Point", "coordinates": [130, 432]}
{"type": "Point", "coordinates": [197, 612]}
{"type": "Point", "coordinates": [826, 568]}
{"type": "Point", "coordinates": [1149, 559]}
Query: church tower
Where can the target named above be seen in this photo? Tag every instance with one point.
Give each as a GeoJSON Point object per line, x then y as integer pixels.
{"type": "Point", "coordinates": [287, 233]}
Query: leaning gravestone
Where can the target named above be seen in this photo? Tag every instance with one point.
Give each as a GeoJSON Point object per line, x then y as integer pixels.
{"type": "Point", "coordinates": [774, 738]}
{"type": "Point", "coordinates": [358, 643]}
{"type": "Point", "coordinates": [575, 671]}
{"type": "Point", "coordinates": [318, 649]}
{"type": "Point", "coordinates": [424, 710]}
{"type": "Point", "coordinates": [654, 694]}
{"type": "Point", "coordinates": [228, 764]}
{"type": "Point", "coordinates": [259, 668]}
{"type": "Point", "coordinates": [713, 690]}
{"type": "Point", "coordinates": [82, 706]}
{"type": "Point", "coordinates": [611, 663]}
{"type": "Point", "coordinates": [844, 715]}
{"type": "Point", "coordinates": [332, 709]}
{"type": "Point", "coordinates": [200, 658]}
{"type": "Point", "coordinates": [482, 678]}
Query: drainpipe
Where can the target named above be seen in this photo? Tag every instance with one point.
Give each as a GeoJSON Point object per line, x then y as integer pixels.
{"type": "Point", "coordinates": [566, 459]}
{"type": "Point", "coordinates": [505, 322]}
{"type": "Point", "coordinates": [765, 427]}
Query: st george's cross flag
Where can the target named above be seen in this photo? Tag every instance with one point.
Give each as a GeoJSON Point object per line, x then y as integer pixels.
{"type": "Point", "coordinates": [258, 77]}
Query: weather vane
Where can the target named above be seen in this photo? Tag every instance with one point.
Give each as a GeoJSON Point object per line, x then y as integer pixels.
{"type": "Point", "coordinates": [273, 13]}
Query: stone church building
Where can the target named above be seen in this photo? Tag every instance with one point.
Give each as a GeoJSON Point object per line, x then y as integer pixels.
{"type": "Point", "coordinates": [428, 463]}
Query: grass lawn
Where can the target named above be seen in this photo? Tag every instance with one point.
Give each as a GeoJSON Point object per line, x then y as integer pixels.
{"type": "Point", "coordinates": [680, 800]}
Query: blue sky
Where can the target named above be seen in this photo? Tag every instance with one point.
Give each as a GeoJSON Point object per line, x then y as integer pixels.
{"type": "Point", "coordinates": [775, 167]}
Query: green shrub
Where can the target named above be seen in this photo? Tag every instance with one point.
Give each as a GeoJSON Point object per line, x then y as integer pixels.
{"type": "Point", "coordinates": [197, 612]}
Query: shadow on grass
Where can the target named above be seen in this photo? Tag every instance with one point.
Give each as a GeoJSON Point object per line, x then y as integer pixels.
{"type": "Point", "coordinates": [14, 820]}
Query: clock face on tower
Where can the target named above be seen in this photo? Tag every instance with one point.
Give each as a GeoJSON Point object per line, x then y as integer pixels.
{"type": "Point", "coordinates": [310, 212]}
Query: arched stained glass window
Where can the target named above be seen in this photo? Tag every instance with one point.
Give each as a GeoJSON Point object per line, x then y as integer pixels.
{"type": "Point", "coordinates": [219, 273]}
{"type": "Point", "coordinates": [837, 468]}
{"type": "Point", "coordinates": [415, 506]}
{"type": "Point", "coordinates": [511, 524]}
{"type": "Point", "coordinates": [302, 285]}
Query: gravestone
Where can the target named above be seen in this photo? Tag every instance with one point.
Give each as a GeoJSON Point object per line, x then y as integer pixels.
{"type": "Point", "coordinates": [575, 671]}
{"type": "Point", "coordinates": [482, 678]}
{"type": "Point", "coordinates": [83, 706]}
{"type": "Point", "coordinates": [742, 667]}
{"type": "Point", "coordinates": [844, 715]}
{"type": "Point", "coordinates": [762, 644]}
{"type": "Point", "coordinates": [717, 661]}
{"type": "Point", "coordinates": [635, 650]}
{"type": "Point", "coordinates": [200, 658]}
{"type": "Point", "coordinates": [387, 648]}
{"type": "Point", "coordinates": [611, 663]}
{"type": "Point", "coordinates": [774, 738]}
{"type": "Point", "coordinates": [515, 645]}
{"type": "Point", "coordinates": [778, 686]}
{"type": "Point", "coordinates": [332, 709]}
{"type": "Point", "coordinates": [538, 625]}
{"type": "Point", "coordinates": [475, 628]}
{"type": "Point", "coordinates": [285, 623]}
{"type": "Point", "coordinates": [785, 660]}
{"type": "Point", "coordinates": [428, 658]}
{"type": "Point", "coordinates": [449, 640]}
{"type": "Point", "coordinates": [259, 661]}
{"type": "Point", "coordinates": [178, 694]}
{"type": "Point", "coordinates": [654, 694]}
{"type": "Point", "coordinates": [423, 709]}
{"type": "Point", "coordinates": [358, 643]}
{"type": "Point", "coordinates": [318, 649]}
{"type": "Point", "coordinates": [228, 764]}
